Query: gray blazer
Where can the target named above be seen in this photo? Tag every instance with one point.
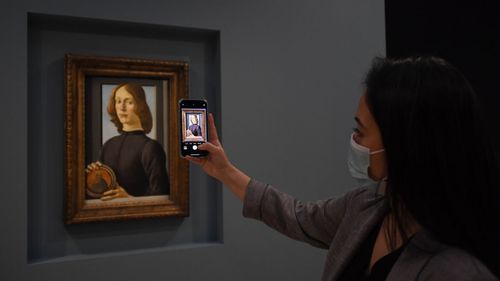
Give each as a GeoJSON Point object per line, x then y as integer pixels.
{"type": "Point", "coordinates": [341, 225]}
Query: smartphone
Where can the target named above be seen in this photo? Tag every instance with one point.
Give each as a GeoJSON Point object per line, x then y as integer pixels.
{"type": "Point", "coordinates": [193, 118]}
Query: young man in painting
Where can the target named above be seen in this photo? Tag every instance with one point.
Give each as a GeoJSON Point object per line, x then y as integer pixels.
{"type": "Point", "coordinates": [194, 129]}
{"type": "Point", "coordinates": [138, 161]}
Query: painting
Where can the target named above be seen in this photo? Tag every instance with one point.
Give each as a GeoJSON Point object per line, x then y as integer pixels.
{"type": "Point", "coordinates": [122, 138]}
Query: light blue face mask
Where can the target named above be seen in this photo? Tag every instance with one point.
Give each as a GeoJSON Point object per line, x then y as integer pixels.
{"type": "Point", "coordinates": [358, 162]}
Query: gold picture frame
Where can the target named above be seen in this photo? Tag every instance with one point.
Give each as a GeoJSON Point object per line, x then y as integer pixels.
{"type": "Point", "coordinates": [89, 82]}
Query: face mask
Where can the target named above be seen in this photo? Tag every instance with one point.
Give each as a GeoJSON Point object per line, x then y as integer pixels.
{"type": "Point", "coordinates": [358, 162]}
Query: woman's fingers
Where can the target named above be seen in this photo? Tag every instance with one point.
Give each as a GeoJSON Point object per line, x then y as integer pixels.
{"type": "Point", "coordinates": [196, 160]}
{"type": "Point", "coordinates": [211, 148]}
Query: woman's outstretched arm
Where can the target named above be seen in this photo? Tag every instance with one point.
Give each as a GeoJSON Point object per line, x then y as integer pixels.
{"type": "Point", "coordinates": [217, 165]}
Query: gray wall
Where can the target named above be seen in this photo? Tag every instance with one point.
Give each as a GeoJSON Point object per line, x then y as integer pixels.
{"type": "Point", "coordinates": [290, 76]}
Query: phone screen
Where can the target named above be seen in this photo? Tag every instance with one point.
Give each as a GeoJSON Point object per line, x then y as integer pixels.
{"type": "Point", "coordinates": [193, 126]}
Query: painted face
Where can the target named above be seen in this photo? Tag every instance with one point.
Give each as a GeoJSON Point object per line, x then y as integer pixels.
{"type": "Point", "coordinates": [125, 106]}
{"type": "Point", "coordinates": [194, 120]}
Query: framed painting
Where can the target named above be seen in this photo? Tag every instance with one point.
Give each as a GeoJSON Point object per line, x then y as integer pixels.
{"type": "Point", "coordinates": [122, 157]}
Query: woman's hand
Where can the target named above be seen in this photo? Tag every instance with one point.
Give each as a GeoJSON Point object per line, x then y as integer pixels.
{"type": "Point", "coordinates": [217, 165]}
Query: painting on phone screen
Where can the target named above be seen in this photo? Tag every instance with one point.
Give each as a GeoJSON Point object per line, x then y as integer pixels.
{"type": "Point", "coordinates": [194, 125]}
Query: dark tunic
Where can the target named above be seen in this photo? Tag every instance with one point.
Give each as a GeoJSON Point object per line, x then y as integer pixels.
{"type": "Point", "coordinates": [138, 162]}
{"type": "Point", "coordinates": [195, 129]}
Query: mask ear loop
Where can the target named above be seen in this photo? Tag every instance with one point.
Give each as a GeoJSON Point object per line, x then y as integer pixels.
{"type": "Point", "coordinates": [364, 148]}
{"type": "Point", "coordinates": [377, 151]}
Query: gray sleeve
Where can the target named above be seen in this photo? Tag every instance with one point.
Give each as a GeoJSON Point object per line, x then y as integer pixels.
{"type": "Point", "coordinates": [314, 223]}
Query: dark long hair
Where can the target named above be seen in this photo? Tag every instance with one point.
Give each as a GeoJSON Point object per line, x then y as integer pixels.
{"type": "Point", "coordinates": [442, 171]}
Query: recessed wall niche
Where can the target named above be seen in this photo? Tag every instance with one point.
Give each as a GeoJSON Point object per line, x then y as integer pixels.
{"type": "Point", "coordinates": [49, 38]}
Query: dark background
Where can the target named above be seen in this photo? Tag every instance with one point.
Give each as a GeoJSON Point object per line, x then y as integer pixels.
{"type": "Point", "coordinates": [465, 33]}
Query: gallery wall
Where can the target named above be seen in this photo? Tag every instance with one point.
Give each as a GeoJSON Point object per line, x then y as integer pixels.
{"type": "Point", "coordinates": [289, 76]}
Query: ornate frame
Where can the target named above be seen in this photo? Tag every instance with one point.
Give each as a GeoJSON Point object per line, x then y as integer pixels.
{"type": "Point", "coordinates": [80, 210]}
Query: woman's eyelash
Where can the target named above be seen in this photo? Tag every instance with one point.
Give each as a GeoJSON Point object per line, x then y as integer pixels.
{"type": "Point", "coordinates": [356, 130]}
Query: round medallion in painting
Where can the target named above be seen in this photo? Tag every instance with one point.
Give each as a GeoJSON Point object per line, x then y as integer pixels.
{"type": "Point", "coordinates": [99, 180]}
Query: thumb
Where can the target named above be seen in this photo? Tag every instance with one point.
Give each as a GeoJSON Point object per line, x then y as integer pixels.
{"type": "Point", "coordinates": [195, 160]}
{"type": "Point", "coordinates": [208, 147]}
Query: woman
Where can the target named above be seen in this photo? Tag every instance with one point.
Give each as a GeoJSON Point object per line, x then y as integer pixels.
{"type": "Point", "coordinates": [138, 161]}
{"type": "Point", "coordinates": [434, 215]}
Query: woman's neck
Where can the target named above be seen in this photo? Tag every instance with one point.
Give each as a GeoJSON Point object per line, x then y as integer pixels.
{"type": "Point", "coordinates": [394, 235]}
